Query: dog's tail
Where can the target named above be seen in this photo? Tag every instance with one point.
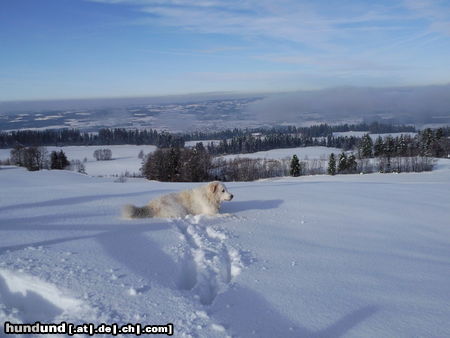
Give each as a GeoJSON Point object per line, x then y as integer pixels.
{"type": "Point", "coordinates": [131, 211]}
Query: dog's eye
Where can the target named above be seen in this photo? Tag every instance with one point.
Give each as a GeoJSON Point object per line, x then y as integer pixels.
{"type": "Point", "coordinates": [223, 190]}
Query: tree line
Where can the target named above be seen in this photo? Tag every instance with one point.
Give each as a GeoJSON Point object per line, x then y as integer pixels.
{"type": "Point", "coordinates": [404, 153]}
{"type": "Point", "coordinates": [251, 143]}
{"type": "Point", "coordinates": [112, 136]}
{"type": "Point", "coordinates": [74, 137]}
{"type": "Point", "coordinates": [428, 142]}
{"type": "Point", "coordinates": [319, 130]}
{"type": "Point", "coordinates": [344, 164]}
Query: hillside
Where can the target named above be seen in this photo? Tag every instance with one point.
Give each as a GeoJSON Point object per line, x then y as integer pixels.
{"type": "Point", "coordinates": [319, 256]}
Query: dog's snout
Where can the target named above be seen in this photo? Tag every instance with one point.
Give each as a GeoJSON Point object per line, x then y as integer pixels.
{"type": "Point", "coordinates": [231, 197]}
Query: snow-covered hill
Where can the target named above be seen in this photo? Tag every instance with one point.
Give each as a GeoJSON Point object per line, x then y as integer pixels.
{"type": "Point", "coordinates": [319, 256]}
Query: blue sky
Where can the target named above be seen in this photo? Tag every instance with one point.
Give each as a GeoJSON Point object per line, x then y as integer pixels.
{"type": "Point", "coordinates": [52, 49]}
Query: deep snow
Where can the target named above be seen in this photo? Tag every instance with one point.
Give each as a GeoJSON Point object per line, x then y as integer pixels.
{"type": "Point", "coordinates": [319, 256]}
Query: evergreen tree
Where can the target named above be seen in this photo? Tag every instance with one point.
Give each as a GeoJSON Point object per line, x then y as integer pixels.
{"type": "Point", "coordinates": [389, 146]}
{"type": "Point", "coordinates": [402, 146]}
{"type": "Point", "coordinates": [352, 164]}
{"type": "Point", "coordinates": [342, 163]}
{"type": "Point", "coordinates": [54, 160]}
{"type": "Point", "coordinates": [439, 143]}
{"type": "Point", "coordinates": [58, 160]}
{"type": "Point", "coordinates": [63, 161]}
{"type": "Point", "coordinates": [426, 142]}
{"type": "Point", "coordinates": [197, 163]}
{"type": "Point", "coordinates": [366, 146]}
{"type": "Point", "coordinates": [389, 151]}
{"type": "Point", "coordinates": [295, 166]}
{"type": "Point", "coordinates": [332, 165]}
{"type": "Point", "coordinates": [378, 148]}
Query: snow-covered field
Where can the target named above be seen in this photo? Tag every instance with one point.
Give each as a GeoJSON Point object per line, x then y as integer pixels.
{"type": "Point", "coordinates": [124, 158]}
{"type": "Point", "coordinates": [319, 256]}
{"type": "Point", "coordinates": [302, 153]}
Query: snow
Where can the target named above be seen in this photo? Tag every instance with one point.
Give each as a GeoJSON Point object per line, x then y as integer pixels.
{"type": "Point", "coordinates": [278, 154]}
{"type": "Point", "coordinates": [37, 300]}
{"type": "Point", "coordinates": [318, 256]}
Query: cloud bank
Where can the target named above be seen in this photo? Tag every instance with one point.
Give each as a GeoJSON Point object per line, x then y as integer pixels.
{"type": "Point", "coordinates": [426, 104]}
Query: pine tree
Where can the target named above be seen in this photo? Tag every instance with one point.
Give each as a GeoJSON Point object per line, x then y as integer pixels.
{"type": "Point", "coordinates": [295, 166]}
{"type": "Point", "coordinates": [332, 165]}
{"type": "Point", "coordinates": [402, 146]}
{"type": "Point", "coordinates": [54, 160]}
{"type": "Point", "coordinates": [426, 142]}
{"type": "Point", "coordinates": [62, 159]}
{"type": "Point", "coordinates": [58, 160]}
{"type": "Point", "coordinates": [342, 163]}
{"type": "Point", "coordinates": [378, 148]}
{"type": "Point", "coordinates": [389, 146]}
{"type": "Point", "coordinates": [366, 146]}
{"type": "Point", "coordinates": [351, 164]}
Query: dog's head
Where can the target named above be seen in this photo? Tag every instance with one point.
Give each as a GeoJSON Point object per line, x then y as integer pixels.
{"type": "Point", "coordinates": [219, 191]}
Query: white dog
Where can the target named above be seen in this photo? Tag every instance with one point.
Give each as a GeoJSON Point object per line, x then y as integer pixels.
{"type": "Point", "coordinates": [205, 199]}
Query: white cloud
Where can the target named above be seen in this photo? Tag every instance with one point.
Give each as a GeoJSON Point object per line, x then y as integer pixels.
{"type": "Point", "coordinates": [304, 22]}
{"type": "Point", "coordinates": [357, 39]}
{"type": "Point", "coordinates": [287, 20]}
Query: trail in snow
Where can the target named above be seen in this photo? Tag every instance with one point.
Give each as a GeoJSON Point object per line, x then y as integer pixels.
{"type": "Point", "coordinates": [208, 263]}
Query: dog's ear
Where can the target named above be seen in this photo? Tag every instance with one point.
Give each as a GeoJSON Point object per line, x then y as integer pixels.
{"type": "Point", "coordinates": [213, 186]}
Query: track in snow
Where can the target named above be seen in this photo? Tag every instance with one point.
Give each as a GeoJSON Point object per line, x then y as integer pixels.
{"type": "Point", "coordinates": [208, 264]}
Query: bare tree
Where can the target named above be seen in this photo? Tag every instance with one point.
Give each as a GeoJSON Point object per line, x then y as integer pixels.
{"type": "Point", "coordinates": [103, 154]}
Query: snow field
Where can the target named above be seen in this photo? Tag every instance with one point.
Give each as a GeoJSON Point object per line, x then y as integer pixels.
{"type": "Point", "coordinates": [318, 256]}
